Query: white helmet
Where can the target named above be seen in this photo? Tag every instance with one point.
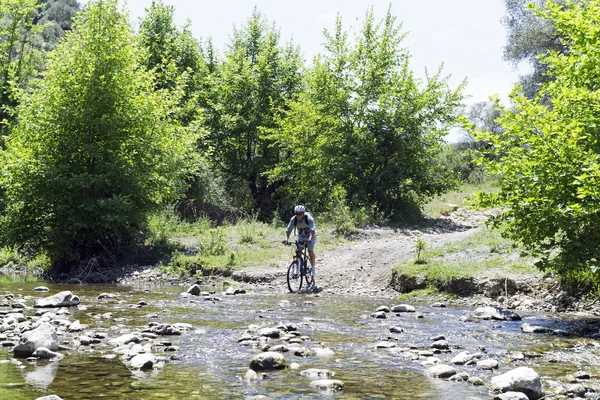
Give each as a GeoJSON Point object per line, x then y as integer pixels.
{"type": "Point", "coordinates": [299, 209]}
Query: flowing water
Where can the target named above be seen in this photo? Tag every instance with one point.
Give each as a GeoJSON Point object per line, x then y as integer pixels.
{"type": "Point", "coordinates": [211, 363]}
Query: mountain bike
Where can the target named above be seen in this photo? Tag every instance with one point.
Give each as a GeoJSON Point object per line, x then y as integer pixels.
{"type": "Point", "coordinates": [298, 271]}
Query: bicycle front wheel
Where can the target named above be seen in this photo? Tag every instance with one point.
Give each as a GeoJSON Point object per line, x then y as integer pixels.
{"type": "Point", "coordinates": [294, 277]}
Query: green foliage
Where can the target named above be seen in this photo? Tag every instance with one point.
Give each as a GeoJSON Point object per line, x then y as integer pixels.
{"type": "Point", "coordinates": [340, 214]}
{"type": "Point", "coordinates": [550, 163]}
{"type": "Point", "coordinates": [529, 37]}
{"type": "Point", "coordinates": [247, 92]}
{"type": "Point", "coordinates": [366, 124]}
{"type": "Point", "coordinates": [420, 246]}
{"type": "Point", "coordinates": [9, 255]}
{"type": "Point", "coordinates": [20, 58]}
{"type": "Point", "coordinates": [94, 151]}
{"type": "Point", "coordinates": [174, 56]}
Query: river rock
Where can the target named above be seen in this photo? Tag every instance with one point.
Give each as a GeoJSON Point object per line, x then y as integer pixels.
{"type": "Point", "coordinates": [269, 332]}
{"type": "Point", "coordinates": [42, 336]}
{"type": "Point", "coordinates": [163, 329]}
{"type": "Point", "coordinates": [143, 361]}
{"type": "Point", "coordinates": [496, 313]}
{"type": "Point", "coordinates": [400, 308]}
{"type": "Point", "coordinates": [576, 390]}
{"type": "Point", "coordinates": [379, 315]}
{"type": "Point", "coordinates": [76, 326]}
{"type": "Point", "coordinates": [511, 396]}
{"type": "Point", "coordinates": [102, 296]}
{"type": "Point", "coordinates": [45, 354]}
{"type": "Point", "coordinates": [62, 299]}
{"type": "Point", "coordinates": [125, 339]}
{"type": "Point", "coordinates": [17, 305]}
{"type": "Point", "coordinates": [441, 371]}
{"type": "Point", "coordinates": [267, 361]}
{"type": "Point", "coordinates": [302, 351]}
{"type": "Point", "coordinates": [396, 329]}
{"type": "Point", "coordinates": [250, 376]}
{"type": "Point", "coordinates": [317, 373]}
{"type": "Point", "coordinates": [460, 377]}
{"type": "Point", "coordinates": [464, 357]}
{"type": "Point", "coordinates": [41, 289]}
{"type": "Point", "coordinates": [328, 385]}
{"type": "Point", "coordinates": [383, 308]}
{"type": "Point", "coordinates": [440, 345]}
{"type": "Point", "coordinates": [527, 328]}
{"type": "Point", "coordinates": [476, 381]}
{"type": "Point", "coordinates": [51, 397]}
{"type": "Point", "coordinates": [522, 379]}
{"type": "Point", "coordinates": [487, 364]}
{"type": "Point", "coordinates": [194, 290]}
{"type": "Point", "coordinates": [325, 352]}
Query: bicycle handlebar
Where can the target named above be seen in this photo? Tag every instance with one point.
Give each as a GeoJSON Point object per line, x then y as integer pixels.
{"type": "Point", "coordinates": [297, 243]}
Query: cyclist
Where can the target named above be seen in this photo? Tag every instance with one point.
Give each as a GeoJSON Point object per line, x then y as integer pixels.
{"type": "Point", "coordinates": [304, 224]}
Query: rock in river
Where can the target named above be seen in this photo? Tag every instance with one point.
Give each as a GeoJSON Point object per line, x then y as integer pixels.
{"type": "Point", "coordinates": [441, 371]}
{"type": "Point", "coordinates": [511, 396]}
{"type": "Point", "coordinates": [42, 336]}
{"type": "Point", "coordinates": [267, 361]}
{"type": "Point", "coordinates": [522, 379]}
{"type": "Point", "coordinates": [496, 313]}
{"type": "Point", "coordinates": [317, 373]}
{"type": "Point", "coordinates": [403, 308]}
{"type": "Point", "coordinates": [62, 299]}
{"type": "Point", "coordinates": [143, 361]}
{"type": "Point", "coordinates": [328, 385]}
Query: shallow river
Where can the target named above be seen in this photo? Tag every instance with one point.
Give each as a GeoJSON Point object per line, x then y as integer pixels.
{"type": "Point", "coordinates": [211, 362]}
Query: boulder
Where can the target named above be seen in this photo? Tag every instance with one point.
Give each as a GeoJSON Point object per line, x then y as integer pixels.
{"type": "Point", "coordinates": [46, 354]}
{"type": "Point", "coordinates": [317, 373]}
{"type": "Point", "coordinates": [487, 364]}
{"type": "Point", "coordinates": [527, 328]}
{"type": "Point", "coordinates": [194, 290]}
{"type": "Point", "coordinates": [267, 361]}
{"type": "Point", "coordinates": [522, 379]}
{"type": "Point", "coordinates": [328, 385]}
{"type": "Point", "coordinates": [496, 313]}
{"type": "Point", "coordinates": [143, 361]}
{"type": "Point", "coordinates": [403, 308]}
{"type": "Point", "coordinates": [441, 371]}
{"type": "Point", "coordinates": [42, 336]}
{"type": "Point", "coordinates": [62, 299]}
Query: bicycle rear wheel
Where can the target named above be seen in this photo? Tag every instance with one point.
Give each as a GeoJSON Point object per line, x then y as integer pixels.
{"type": "Point", "coordinates": [294, 277]}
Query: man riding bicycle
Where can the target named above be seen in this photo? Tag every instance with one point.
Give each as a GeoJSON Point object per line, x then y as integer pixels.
{"type": "Point", "coordinates": [304, 224]}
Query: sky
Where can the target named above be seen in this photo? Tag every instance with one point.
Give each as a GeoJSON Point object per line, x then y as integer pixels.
{"type": "Point", "coordinates": [467, 36]}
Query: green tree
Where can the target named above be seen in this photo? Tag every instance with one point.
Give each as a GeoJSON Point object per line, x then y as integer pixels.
{"type": "Point", "coordinates": [367, 125]}
{"type": "Point", "coordinates": [95, 148]}
{"type": "Point", "coordinates": [550, 153]}
{"type": "Point", "coordinates": [20, 56]}
{"type": "Point", "coordinates": [529, 37]}
{"type": "Point", "coordinates": [249, 90]}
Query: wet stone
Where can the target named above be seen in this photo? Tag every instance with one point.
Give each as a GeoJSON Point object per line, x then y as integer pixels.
{"type": "Point", "coordinates": [403, 308]}
{"type": "Point", "coordinates": [327, 385]}
{"type": "Point", "coordinates": [441, 371]}
{"type": "Point", "coordinates": [576, 390]}
{"type": "Point", "coordinates": [267, 361]}
{"type": "Point", "coordinates": [511, 396]}
{"type": "Point", "coordinates": [487, 364]}
{"type": "Point", "coordinates": [440, 345]}
{"type": "Point", "coordinates": [396, 329]}
{"type": "Point", "coordinates": [317, 373]}
{"type": "Point", "coordinates": [379, 315]}
{"type": "Point", "coordinates": [383, 309]}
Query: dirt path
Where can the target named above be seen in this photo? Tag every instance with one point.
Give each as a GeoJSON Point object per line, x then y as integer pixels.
{"type": "Point", "coordinates": [363, 267]}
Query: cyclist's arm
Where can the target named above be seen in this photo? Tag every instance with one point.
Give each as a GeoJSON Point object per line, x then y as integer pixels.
{"type": "Point", "coordinates": [313, 231]}
{"type": "Point", "coordinates": [288, 230]}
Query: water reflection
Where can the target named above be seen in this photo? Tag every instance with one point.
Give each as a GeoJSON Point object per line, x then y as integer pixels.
{"type": "Point", "coordinates": [40, 375]}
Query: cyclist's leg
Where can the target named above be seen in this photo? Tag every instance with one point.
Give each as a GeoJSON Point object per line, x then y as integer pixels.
{"type": "Point", "coordinates": [312, 256]}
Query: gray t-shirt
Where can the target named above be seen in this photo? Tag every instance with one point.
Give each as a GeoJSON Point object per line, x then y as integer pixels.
{"type": "Point", "coordinates": [303, 227]}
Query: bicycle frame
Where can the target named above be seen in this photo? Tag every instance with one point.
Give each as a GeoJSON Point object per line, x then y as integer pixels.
{"type": "Point", "coordinates": [298, 269]}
